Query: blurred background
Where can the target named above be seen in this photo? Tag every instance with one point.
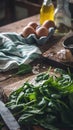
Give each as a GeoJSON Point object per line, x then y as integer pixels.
{"type": "Point", "coordinates": [14, 10]}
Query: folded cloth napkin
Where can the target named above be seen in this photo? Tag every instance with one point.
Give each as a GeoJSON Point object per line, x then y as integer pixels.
{"type": "Point", "coordinates": [15, 50]}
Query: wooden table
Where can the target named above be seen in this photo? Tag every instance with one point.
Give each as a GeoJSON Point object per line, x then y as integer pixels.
{"type": "Point", "coordinates": [18, 26]}
{"type": "Point", "coordinates": [10, 84]}
{"type": "Point", "coordinates": [13, 83]}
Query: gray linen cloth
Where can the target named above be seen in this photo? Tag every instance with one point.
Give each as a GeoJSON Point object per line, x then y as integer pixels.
{"type": "Point", "coordinates": [15, 50]}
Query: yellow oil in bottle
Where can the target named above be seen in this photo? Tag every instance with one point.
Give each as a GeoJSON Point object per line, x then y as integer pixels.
{"type": "Point", "coordinates": [47, 12]}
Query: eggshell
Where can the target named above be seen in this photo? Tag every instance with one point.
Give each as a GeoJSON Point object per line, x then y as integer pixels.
{"type": "Point", "coordinates": [48, 24]}
{"type": "Point", "coordinates": [27, 31]}
{"type": "Point", "coordinates": [41, 31]}
{"type": "Point", "coordinates": [33, 24]}
{"type": "Point", "coordinates": [65, 55]}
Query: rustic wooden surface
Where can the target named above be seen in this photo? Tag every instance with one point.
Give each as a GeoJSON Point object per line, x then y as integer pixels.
{"type": "Point", "coordinates": [13, 83]}
{"type": "Point", "coordinates": [18, 26]}
{"type": "Point", "coordinates": [57, 47]}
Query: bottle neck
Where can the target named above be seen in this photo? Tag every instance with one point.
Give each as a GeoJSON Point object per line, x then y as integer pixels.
{"type": "Point", "coordinates": [47, 2]}
{"type": "Point", "coordinates": [66, 6]}
{"type": "Point", "coordinates": [60, 3]}
{"type": "Point", "coordinates": [66, 3]}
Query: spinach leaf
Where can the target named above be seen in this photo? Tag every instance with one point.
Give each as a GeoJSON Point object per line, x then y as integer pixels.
{"type": "Point", "coordinates": [47, 103]}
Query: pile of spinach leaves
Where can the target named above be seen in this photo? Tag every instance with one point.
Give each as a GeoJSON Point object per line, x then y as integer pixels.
{"type": "Point", "coordinates": [47, 103]}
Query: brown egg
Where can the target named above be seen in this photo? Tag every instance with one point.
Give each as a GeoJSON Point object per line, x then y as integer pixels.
{"type": "Point", "coordinates": [41, 31]}
{"type": "Point", "coordinates": [48, 24]}
{"type": "Point", "coordinates": [27, 31]}
{"type": "Point", "coordinates": [33, 24]}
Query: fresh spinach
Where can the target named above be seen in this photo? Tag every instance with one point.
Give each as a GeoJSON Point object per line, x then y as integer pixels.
{"type": "Point", "coordinates": [24, 69]}
{"type": "Point", "coordinates": [47, 103]}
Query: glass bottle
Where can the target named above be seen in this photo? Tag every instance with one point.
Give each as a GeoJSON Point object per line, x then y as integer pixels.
{"type": "Point", "coordinates": [62, 16]}
{"type": "Point", "coordinates": [71, 9]}
{"type": "Point", "coordinates": [47, 11]}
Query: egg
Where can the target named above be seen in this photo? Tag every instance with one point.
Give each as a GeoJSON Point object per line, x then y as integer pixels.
{"type": "Point", "coordinates": [33, 24]}
{"type": "Point", "coordinates": [48, 24]}
{"type": "Point", "coordinates": [27, 31]}
{"type": "Point", "coordinates": [41, 31]}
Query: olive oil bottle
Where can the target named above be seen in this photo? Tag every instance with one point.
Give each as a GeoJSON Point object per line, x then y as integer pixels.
{"type": "Point", "coordinates": [47, 11]}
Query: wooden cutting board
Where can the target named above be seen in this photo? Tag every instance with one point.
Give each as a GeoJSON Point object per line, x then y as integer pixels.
{"type": "Point", "coordinates": [13, 86]}
{"type": "Point", "coordinates": [10, 84]}
{"type": "Point", "coordinates": [56, 47]}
